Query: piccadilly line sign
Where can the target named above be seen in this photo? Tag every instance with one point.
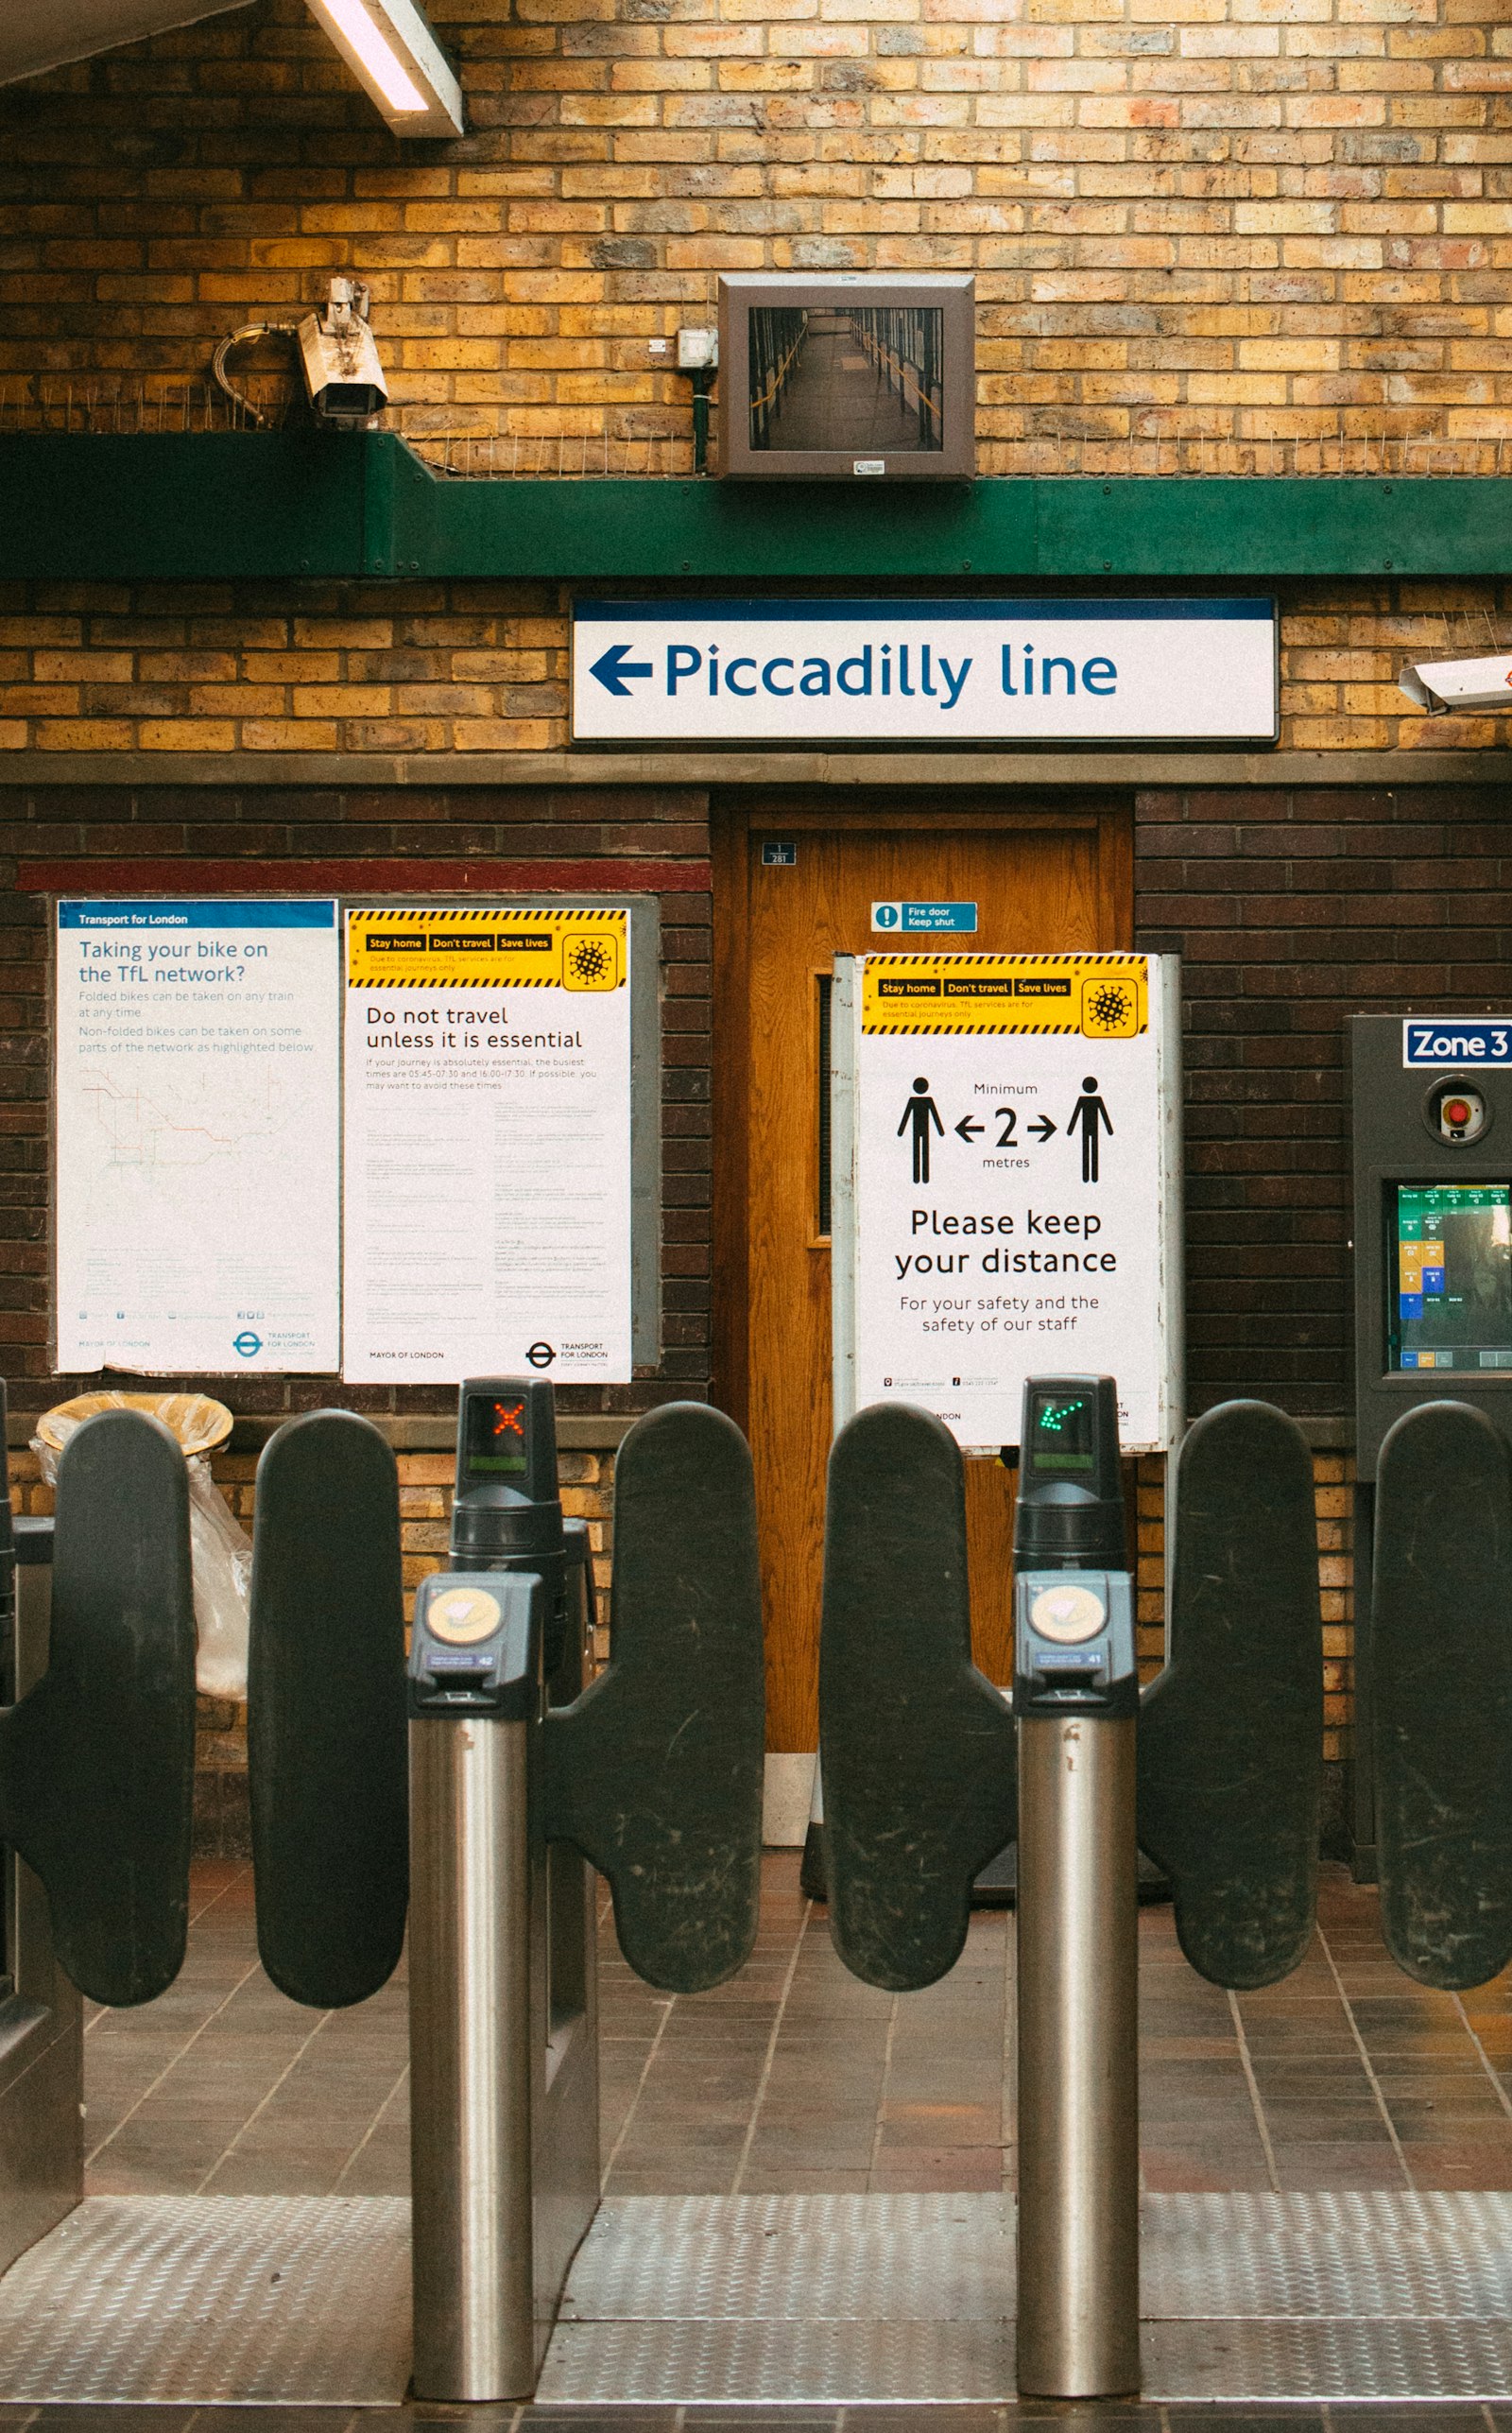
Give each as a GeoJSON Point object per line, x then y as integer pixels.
{"type": "Point", "coordinates": [924, 671]}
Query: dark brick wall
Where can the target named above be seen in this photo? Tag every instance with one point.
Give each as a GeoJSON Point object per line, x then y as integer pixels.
{"type": "Point", "coordinates": [1295, 909]}
{"type": "Point", "coordinates": [163, 827]}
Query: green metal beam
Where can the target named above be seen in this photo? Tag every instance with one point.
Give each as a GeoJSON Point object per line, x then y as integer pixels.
{"type": "Point", "coordinates": [212, 504]}
{"type": "Point", "coordinates": [209, 504]}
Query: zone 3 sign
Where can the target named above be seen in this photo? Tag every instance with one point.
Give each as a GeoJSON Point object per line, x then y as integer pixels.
{"type": "Point", "coordinates": [1484, 1041]}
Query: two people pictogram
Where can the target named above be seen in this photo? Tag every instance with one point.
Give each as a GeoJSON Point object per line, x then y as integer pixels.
{"type": "Point", "coordinates": [1088, 1116]}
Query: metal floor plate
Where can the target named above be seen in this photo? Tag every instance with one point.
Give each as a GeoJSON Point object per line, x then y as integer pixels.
{"type": "Point", "coordinates": [291, 2299]}
{"type": "Point", "coordinates": [852, 2299]}
{"type": "Point", "coordinates": [817, 2299]}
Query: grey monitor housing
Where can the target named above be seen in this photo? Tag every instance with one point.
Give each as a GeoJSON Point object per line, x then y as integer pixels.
{"type": "Point", "coordinates": [1433, 1219]}
{"type": "Point", "coordinates": [855, 376]}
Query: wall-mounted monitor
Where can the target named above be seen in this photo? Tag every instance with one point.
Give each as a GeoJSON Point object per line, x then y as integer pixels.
{"type": "Point", "coordinates": [852, 377]}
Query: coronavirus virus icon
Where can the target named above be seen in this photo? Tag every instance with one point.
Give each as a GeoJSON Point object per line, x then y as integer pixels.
{"type": "Point", "coordinates": [589, 962]}
{"type": "Point", "coordinates": [1109, 1008]}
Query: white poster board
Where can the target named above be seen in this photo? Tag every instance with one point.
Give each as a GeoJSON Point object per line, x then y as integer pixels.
{"type": "Point", "coordinates": [197, 1113]}
{"type": "Point", "coordinates": [1006, 1196]}
{"type": "Point", "coordinates": [487, 1145]}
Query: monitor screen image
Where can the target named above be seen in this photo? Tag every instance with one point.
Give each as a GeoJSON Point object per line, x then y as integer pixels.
{"type": "Point", "coordinates": [866, 378]}
{"type": "Point", "coordinates": [855, 375]}
{"type": "Point", "coordinates": [1448, 1276]}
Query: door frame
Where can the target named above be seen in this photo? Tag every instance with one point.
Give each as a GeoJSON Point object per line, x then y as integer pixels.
{"type": "Point", "coordinates": [733, 816]}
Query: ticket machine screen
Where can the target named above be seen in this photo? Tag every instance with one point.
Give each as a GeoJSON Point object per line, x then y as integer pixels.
{"type": "Point", "coordinates": [1448, 1276]}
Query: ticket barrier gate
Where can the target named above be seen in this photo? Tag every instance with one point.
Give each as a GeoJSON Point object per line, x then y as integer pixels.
{"type": "Point", "coordinates": [42, 2015]}
{"type": "Point", "coordinates": [652, 1774]}
{"type": "Point", "coordinates": [1442, 1694]}
{"type": "Point", "coordinates": [929, 1771]}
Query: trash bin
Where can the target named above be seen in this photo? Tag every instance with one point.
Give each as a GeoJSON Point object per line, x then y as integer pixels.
{"type": "Point", "coordinates": [222, 1551]}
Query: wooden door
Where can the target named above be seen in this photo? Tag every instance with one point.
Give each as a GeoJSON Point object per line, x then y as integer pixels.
{"type": "Point", "coordinates": [1052, 878]}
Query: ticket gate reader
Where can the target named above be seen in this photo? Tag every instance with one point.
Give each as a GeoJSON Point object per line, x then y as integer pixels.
{"type": "Point", "coordinates": [654, 1773]}
{"type": "Point", "coordinates": [929, 1771]}
{"type": "Point", "coordinates": [517, 1774]}
{"type": "Point", "coordinates": [1075, 1692]}
{"type": "Point", "coordinates": [504, 2060]}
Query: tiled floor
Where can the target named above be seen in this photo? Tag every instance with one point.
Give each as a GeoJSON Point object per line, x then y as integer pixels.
{"type": "Point", "coordinates": [225, 2087]}
{"type": "Point", "coordinates": [794, 2078]}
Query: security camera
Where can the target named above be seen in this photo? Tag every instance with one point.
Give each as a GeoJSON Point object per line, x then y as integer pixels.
{"type": "Point", "coordinates": [342, 372]}
{"type": "Point", "coordinates": [1440, 684]}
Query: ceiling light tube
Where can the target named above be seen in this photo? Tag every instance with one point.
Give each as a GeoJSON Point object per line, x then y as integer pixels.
{"type": "Point", "coordinates": [394, 56]}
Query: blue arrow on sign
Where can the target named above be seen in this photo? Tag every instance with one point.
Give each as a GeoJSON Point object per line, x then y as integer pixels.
{"type": "Point", "coordinates": [616, 666]}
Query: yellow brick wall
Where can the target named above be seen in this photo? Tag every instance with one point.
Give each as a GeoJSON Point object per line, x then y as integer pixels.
{"type": "Point", "coordinates": [1333, 1503]}
{"type": "Point", "coordinates": [1257, 218]}
{"type": "Point", "coordinates": [483, 667]}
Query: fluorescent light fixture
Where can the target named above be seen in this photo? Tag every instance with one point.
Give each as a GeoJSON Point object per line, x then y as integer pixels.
{"type": "Point", "coordinates": [395, 56]}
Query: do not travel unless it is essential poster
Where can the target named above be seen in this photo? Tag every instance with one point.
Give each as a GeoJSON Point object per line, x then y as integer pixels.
{"type": "Point", "coordinates": [487, 1172]}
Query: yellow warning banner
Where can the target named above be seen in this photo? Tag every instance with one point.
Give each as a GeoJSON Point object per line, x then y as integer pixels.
{"type": "Point", "coordinates": [935, 997]}
{"type": "Point", "coordinates": [492, 948]}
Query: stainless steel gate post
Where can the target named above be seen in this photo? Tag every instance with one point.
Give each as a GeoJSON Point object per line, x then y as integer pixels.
{"type": "Point", "coordinates": [1076, 1702]}
{"type": "Point", "coordinates": [1078, 2058]}
{"type": "Point", "coordinates": [471, 2058]}
{"type": "Point", "coordinates": [503, 2097]}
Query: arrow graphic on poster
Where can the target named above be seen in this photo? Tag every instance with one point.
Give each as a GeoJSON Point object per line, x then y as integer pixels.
{"type": "Point", "coordinates": [1043, 1127]}
{"type": "Point", "coordinates": [968, 1129]}
{"type": "Point", "coordinates": [613, 668]}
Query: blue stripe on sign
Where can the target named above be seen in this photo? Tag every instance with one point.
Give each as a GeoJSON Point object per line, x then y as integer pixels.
{"type": "Point", "coordinates": [1046, 611]}
{"type": "Point", "coordinates": [229, 913]}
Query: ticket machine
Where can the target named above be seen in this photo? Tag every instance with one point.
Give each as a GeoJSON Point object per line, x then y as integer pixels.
{"type": "Point", "coordinates": [1432, 1219]}
{"type": "Point", "coordinates": [1432, 1098]}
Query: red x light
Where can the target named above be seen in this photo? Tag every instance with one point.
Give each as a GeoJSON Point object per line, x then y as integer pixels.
{"type": "Point", "coordinates": [507, 1418]}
